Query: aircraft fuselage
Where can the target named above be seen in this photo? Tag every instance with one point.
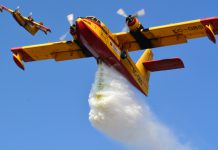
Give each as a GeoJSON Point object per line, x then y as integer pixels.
{"type": "Point", "coordinates": [98, 41]}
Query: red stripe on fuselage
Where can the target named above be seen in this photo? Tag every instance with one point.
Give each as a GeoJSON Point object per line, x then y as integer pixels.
{"type": "Point", "coordinates": [99, 49]}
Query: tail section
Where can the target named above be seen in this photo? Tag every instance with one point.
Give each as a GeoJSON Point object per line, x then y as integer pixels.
{"type": "Point", "coordinates": [146, 64]}
{"type": "Point", "coordinates": [146, 56]}
{"type": "Point", "coordinates": [164, 64]}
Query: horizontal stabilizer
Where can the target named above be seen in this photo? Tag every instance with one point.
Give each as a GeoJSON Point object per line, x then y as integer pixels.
{"type": "Point", "coordinates": [164, 64]}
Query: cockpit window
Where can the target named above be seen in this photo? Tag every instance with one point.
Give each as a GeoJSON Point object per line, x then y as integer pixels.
{"type": "Point", "coordinates": [94, 19]}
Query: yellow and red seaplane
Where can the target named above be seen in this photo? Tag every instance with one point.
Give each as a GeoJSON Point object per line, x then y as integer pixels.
{"type": "Point", "coordinates": [27, 23]}
{"type": "Point", "coordinates": [93, 39]}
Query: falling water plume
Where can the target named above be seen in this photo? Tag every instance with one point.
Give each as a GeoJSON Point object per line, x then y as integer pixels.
{"type": "Point", "coordinates": [116, 111]}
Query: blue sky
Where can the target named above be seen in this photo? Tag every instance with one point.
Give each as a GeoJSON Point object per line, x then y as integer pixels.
{"type": "Point", "coordinates": [46, 107]}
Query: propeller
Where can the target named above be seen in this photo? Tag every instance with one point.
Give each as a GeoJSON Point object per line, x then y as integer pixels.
{"type": "Point", "coordinates": [125, 28]}
{"type": "Point", "coordinates": [30, 14]}
{"type": "Point", "coordinates": [17, 8]}
{"type": "Point", "coordinates": [63, 37]}
{"type": "Point", "coordinates": [70, 19]}
{"type": "Point", "coordinates": [129, 18]}
{"type": "Point", "coordinates": [30, 17]}
{"type": "Point", "coordinates": [139, 13]}
{"type": "Point", "coordinates": [121, 12]}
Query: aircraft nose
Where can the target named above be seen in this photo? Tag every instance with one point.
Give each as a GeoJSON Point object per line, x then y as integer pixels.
{"type": "Point", "coordinates": [79, 21]}
{"type": "Point", "coordinates": [80, 25]}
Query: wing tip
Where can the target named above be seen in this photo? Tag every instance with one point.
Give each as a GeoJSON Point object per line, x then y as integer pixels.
{"type": "Point", "coordinates": [18, 61]}
{"type": "Point", "coordinates": [16, 49]}
{"type": "Point", "coordinates": [213, 21]}
{"type": "Point", "coordinates": [20, 50]}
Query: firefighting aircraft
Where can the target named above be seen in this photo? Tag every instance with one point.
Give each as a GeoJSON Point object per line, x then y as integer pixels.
{"type": "Point", "coordinates": [93, 39]}
{"type": "Point", "coordinates": [27, 23]}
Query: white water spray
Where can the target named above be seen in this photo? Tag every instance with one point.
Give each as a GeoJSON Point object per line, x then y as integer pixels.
{"type": "Point", "coordinates": [118, 113]}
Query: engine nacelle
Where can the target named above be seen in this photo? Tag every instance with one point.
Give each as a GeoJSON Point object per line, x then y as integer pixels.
{"type": "Point", "coordinates": [73, 31]}
{"type": "Point", "coordinates": [133, 23]}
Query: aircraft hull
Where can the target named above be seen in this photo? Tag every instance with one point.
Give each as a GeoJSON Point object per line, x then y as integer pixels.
{"type": "Point", "coordinates": [110, 54]}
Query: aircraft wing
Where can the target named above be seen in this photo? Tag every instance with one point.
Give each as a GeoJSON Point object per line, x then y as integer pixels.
{"type": "Point", "coordinates": [171, 34]}
{"type": "Point", "coordinates": [33, 26]}
{"type": "Point", "coordinates": [59, 51]}
{"type": "Point", "coordinates": [30, 25]}
{"type": "Point", "coordinates": [5, 8]}
{"type": "Point", "coordinates": [42, 27]}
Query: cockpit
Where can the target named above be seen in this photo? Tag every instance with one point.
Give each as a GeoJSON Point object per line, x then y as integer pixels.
{"type": "Point", "coordinates": [93, 19]}
{"type": "Point", "coordinates": [103, 27]}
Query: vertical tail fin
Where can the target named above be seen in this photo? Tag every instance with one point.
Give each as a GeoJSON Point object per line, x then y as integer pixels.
{"type": "Point", "coordinates": [146, 56]}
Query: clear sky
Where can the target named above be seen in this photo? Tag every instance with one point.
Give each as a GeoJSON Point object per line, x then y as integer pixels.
{"type": "Point", "coordinates": [46, 107]}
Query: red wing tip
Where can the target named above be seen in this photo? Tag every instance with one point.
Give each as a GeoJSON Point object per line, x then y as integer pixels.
{"type": "Point", "coordinates": [210, 34]}
{"type": "Point", "coordinates": [209, 19]}
{"type": "Point", "coordinates": [16, 49]}
{"type": "Point", "coordinates": [25, 56]}
{"type": "Point", "coordinates": [18, 62]}
{"type": "Point", "coordinates": [47, 30]}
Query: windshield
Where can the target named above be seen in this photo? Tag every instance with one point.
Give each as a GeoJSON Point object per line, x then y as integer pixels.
{"type": "Point", "coordinates": [94, 19]}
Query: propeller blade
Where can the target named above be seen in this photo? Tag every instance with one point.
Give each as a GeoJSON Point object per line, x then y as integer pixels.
{"type": "Point", "coordinates": [30, 14]}
{"type": "Point", "coordinates": [63, 37]}
{"type": "Point", "coordinates": [70, 18]}
{"type": "Point", "coordinates": [17, 9]}
{"type": "Point", "coordinates": [121, 12]}
{"type": "Point", "coordinates": [125, 28]}
{"type": "Point", "coordinates": [140, 13]}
